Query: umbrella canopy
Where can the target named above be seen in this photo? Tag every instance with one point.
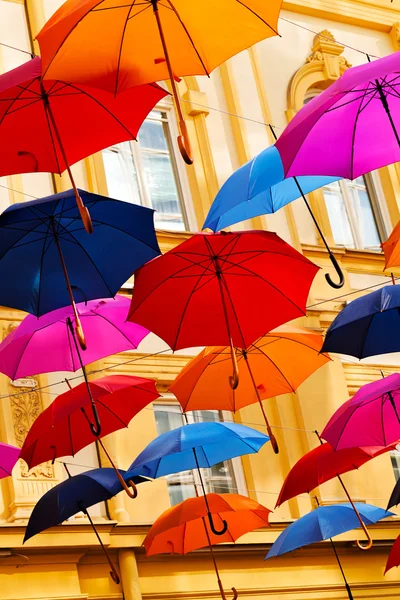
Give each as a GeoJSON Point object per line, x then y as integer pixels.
{"type": "Point", "coordinates": [368, 326]}
{"type": "Point", "coordinates": [215, 289]}
{"type": "Point", "coordinates": [391, 248]}
{"type": "Point", "coordinates": [199, 445]}
{"type": "Point", "coordinates": [394, 556]}
{"type": "Point", "coordinates": [321, 465]}
{"type": "Point", "coordinates": [86, 119]}
{"type": "Point", "coordinates": [62, 429]}
{"type": "Point", "coordinates": [279, 362]}
{"type": "Point", "coordinates": [323, 523]}
{"type": "Point", "coordinates": [74, 495]}
{"type": "Point", "coordinates": [370, 418]}
{"type": "Point", "coordinates": [8, 458]}
{"type": "Point", "coordinates": [394, 499]}
{"type": "Point", "coordinates": [332, 134]}
{"type": "Point", "coordinates": [258, 188]}
{"type": "Point", "coordinates": [41, 237]}
{"type": "Point", "coordinates": [184, 528]}
{"type": "Point", "coordinates": [45, 345]}
{"type": "Point", "coordinates": [199, 37]}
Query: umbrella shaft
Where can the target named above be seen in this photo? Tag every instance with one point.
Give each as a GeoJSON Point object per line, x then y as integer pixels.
{"type": "Point", "coordinates": [385, 105]}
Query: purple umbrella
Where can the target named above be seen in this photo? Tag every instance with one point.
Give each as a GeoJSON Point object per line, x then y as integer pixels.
{"type": "Point", "coordinates": [370, 418]}
{"type": "Point", "coordinates": [8, 457]}
{"type": "Point", "coordinates": [349, 129]}
{"type": "Point", "coordinates": [46, 344]}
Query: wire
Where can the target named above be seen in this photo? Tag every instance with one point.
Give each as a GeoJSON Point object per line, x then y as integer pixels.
{"type": "Point", "coordinates": [18, 49]}
{"type": "Point", "coordinates": [18, 192]}
{"type": "Point", "coordinates": [370, 287]}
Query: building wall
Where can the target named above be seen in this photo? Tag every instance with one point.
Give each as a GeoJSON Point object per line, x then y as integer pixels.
{"type": "Point", "coordinates": [265, 84]}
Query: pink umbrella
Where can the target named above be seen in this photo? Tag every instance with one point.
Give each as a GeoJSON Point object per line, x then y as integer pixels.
{"type": "Point", "coordinates": [8, 457]}
{"type": "Point", "coordinates": [370, 418]}
{"type": "Point", "coordinates": [350, 129]}
{"type": "Point", "coordinates": [46, 344]}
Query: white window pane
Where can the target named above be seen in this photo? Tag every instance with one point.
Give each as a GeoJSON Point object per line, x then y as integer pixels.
{"type": "Point", "coordinates": [151, 135]}
{"type": "Point", "coordinates": [163, 192]}
{"type": "Point", "coordinates": [338, 217]}
{"type": "Point", "coordinates": [121, 174]}
{"type": "Point", "coordinates": [366, 221]}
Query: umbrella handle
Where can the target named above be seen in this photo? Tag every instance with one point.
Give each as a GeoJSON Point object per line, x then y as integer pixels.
{"type": "Point", "coordinates": [222, 591]}
{"type": "Point", "coordinates": [234, 378]}
{"type": "Point", "coordinates": [184, 144]}
{"type": "Point", "coordinates": [96, 427]}
{"type": "Point", "coordinates": [79, 332]}
{"type": "Point", "coordinates": [131, 493]}
{"type": "Point", "coordinates": [213, 528]}
{"type": "Point", "coordinates": [369, 540]}
{"type": "Point", "coordinates": [338, 271]}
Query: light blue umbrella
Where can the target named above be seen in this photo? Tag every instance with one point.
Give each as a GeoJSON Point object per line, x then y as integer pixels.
{"type": "Point", "coordinates": [196, 446]}
{"type": "Point", "coordinates": [259, 188]}
{"type": "Point", "coordinates": [323, 523]}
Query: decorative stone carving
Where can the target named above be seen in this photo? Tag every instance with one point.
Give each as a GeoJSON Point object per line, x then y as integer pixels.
{"type": "Point", "coordinates": [395, 35]}
{"type": "Point", "coordinates": [326, 50]}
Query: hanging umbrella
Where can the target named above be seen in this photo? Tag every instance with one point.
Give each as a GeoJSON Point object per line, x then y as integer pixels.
{"type": "Point", "coordinates": [370, 418]}
{"type": "Point", "coordinates": [46, 344]}
{"type": "Point", "coordinates": [64, 427]}
{"type": "Point", "coordinates": [323, 523]}
{"type": "Point", "coordinates": [394, 556]}
{"type": "Point", "coordinates": [196, 446]}
{"type": "Point", "coordinates": [215, 289]}
{"type": "Point", "coordinates": [56, 261]}
{"type": "Point", "coordinates": [275, 364]}
{"type": "Point", "coordinates": [74, 495]}
{"type": "Point", "coordinates": [151, 42]}
{"type": "Point", "coordinates": [395, 495]}
{"type": "Point", "coordinates": [321, 465]}
{"type": "Point", "coordinates": [184, 528]}
{"type": "Point", "coordinates": [391, 248]}
{"type": "Point", "coordinates": [368, 326]}
{"type": "Point", "coordinates": [8, 458]}
{"type": "Point", "coordinates": [50, 125]}
{"type": "Point", "coordinates": [332, 134]}
{"type": "Point", "coordinates": [259, 188]}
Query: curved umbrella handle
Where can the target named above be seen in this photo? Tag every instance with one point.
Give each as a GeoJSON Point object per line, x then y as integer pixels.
{"type": "Point", "coordinates": [184, 144]}
{"type": "Point", "coordinates": [125, 485]}
{"type": "Point", "coordinates": [213, 528]}
{"type": "Point", "coordinates": [338, 271]}
{"type": "Point", "coordinates": [96, 427]}
{"type": "Point", "coordinates": [369, 541]}
{"type": "Point", "coordinates": [234, 378]}
{"type": "Point", "coordinates": [132, 494]}
{"type": "Point", "coordinates": [235, 593]}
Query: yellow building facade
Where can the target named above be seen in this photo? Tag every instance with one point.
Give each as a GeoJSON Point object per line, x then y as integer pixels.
{"type": "Point", "coordinates": [227, 116]}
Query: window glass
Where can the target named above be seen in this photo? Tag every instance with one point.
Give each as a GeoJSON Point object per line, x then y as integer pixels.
{"type": "Point", "coordinates": [338, 216]}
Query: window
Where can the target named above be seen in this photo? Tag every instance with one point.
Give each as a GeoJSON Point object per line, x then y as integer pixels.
{"type": "Point", "coordinates": [354, 213]}
{"type": "Point", "coordinates": [146, 172]}
{"type": "Point", "coordinates": [222, 478]}
{"type": "Point", "coordinates": [395, 458]}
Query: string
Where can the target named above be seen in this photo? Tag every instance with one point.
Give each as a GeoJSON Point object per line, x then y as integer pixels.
{"type": "Point", "coordinates": [370, 287]}
{"type": "Point", "coordinates": [18, 49]}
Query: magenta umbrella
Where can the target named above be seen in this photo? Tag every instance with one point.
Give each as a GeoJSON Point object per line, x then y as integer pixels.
{"type": "Point", "coordinates": [8, 457]}
{"type": "Point", "coordinates": [370, 418]}
{"type": "Point", "coordinates": [349, 129]}
{"type": "Point", "coordinates": [46, 344]}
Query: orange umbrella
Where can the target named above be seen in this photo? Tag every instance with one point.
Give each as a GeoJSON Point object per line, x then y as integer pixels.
{"type": "Point", "coordinates": [115, 45]}
{"type": "Point", "coordinates": [391, 248]}
{"type": "Point", "coordinates": [275, 364]}
{"type": "Point", "coordinates": [184, 527]}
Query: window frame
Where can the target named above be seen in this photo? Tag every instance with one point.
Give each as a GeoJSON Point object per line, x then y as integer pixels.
{"type": "Point", "coordinates": [168, 400]}
{"type": "Point", "coordinates": [179, 171]}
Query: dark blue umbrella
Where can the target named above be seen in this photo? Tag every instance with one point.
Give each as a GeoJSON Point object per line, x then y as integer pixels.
{"type": "Point", "coordinates": [368, 326]}
{"type": "Point", "coordinates": [196, 446]}
{"type": "Point", "coordinates": [323, 523]}
{"type": "Point", "coordinates": [40, 239]}
{"type": "Point", "coordinates": [259, 188]}
{"type": "Point", "coordinates": [74, 495]}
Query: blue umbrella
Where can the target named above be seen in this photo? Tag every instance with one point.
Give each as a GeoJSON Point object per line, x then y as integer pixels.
{"type": "Point", "coordinates": [323, 523]}
{"type": "Point", "coordinates": [74, 495]}
{"type": "Point", "coordinates": [368, 326]}
{"type": "Point", "coordinates": [259, 188]}
{"type": "Point", "coordinates": [196, 446]}
{"type": "Point", "coordinates": [45, 242]}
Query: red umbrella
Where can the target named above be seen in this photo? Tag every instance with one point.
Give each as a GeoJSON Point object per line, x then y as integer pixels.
{"type": "Point", "coordinates": [64, 427]}
{"type": "Point", "coordinates": [321, 465]}
{"type": "Point", "coordinates": [222, 289]}
{"type": "Point", "coordinates": [50, 125]}
{"type": "Point", "coordinates": [394, 556]}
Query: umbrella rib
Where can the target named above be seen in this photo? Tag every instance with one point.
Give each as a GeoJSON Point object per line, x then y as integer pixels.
{"type": "Point", "coordinates": [366, 335]}
{"type": "Point", "coordinates": [140, 11]}
{"type": "Point", "coordinates": [52, 138]}
{"type": "Point", "coordinates": [364, 93]}
{"type": "Point", "coordinates": [258, 16]}
{"type": "Point", "coordinates": [112, 412]}
{"type": "Point", "coordinates": [117, 328]}
{"type": "Point", "coordinates": [104, 108]}
{"type": "Point", "coordinates": [34, 101]}
{"type": "Point", "coordinates": [278, 369]}
{"type": "Point", "coordinates": [225, 284]}
{"type": "Point", "coordinates": [122, 43]}
{"type": "Point", "coordinates": [24, 89]}
{"type": "Point", "coordinates": [44, 250]}
{"type": "Point", "coordinates": [189, 36]}
{"type": "Point", "coordinates": [370, 99]}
